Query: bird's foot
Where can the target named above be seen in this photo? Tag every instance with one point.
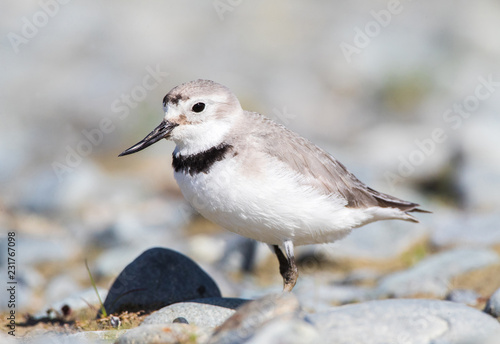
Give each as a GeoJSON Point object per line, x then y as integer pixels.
{"type": "Point", "coordinates": [288, 268]}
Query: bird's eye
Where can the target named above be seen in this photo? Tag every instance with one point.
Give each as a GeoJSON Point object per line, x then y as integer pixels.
{"type": "Point", "coordinates": [198, 107]}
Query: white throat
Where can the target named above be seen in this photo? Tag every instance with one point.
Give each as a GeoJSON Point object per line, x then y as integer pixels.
{"type": "Point", "coordinates": [200, 137]}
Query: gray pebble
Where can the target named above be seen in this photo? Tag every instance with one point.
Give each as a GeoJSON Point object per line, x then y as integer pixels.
{"type": "Point", "coordinates": [253, 316]}
{"type": "Point", "coordinates": [180, 320]}
{"type": "Point", "coordinates": [199, 314]}
{"type": "Point", "coordinates": [405, 321]}
{"type": "Point", "coordinates": [433, 274]}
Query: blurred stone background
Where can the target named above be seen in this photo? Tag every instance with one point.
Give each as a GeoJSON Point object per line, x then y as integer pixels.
{"type": "Point", "coordinates": [405, 93]}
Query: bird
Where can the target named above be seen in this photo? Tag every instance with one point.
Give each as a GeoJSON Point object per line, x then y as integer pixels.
{"type": "Point", "coordinates": [254, 177]}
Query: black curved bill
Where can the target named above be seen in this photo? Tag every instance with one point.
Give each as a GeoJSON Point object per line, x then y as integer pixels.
{"type": "Point", "coordinates": [156, 135]}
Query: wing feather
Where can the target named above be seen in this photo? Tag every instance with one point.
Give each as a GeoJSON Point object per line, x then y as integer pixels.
{"type": "Point", "coordinates": [320, 169]}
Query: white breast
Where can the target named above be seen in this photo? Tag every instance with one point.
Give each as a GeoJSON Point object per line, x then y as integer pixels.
{"type": "Point", "coordinates": [264, 200]}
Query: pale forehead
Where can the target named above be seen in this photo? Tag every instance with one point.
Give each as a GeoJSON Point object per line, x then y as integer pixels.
{"type": "Point", "coordinates": [197, 89]}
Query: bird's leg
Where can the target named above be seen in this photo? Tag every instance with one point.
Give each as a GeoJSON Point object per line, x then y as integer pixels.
{"type": "Point", "coordinates": [288, 269]}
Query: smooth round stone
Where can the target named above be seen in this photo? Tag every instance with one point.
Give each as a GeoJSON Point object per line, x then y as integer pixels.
{"type": "Point", "coordinates": [180, 320]}
{"type": "Point", "coordinates": [415, 321]}
{"type": "Point", "coordinates": [254, 316]}
{"type": "Point", "coordinates": [433, 275]}
{"type": "Point", "coordinates": [157, 278]}
{"type": "Point", "coordinates": [196, 313]}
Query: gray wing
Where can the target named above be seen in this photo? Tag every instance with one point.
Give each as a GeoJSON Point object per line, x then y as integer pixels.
{"type": "Point", "coordinates": [321, 170]}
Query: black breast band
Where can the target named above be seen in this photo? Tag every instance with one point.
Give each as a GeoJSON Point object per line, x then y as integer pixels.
{"type": "Point", "coordinates": [200, 162]}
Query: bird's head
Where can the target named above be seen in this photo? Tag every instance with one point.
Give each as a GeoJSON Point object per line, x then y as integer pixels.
{"type": "Point", "coordinates": [198, 115]}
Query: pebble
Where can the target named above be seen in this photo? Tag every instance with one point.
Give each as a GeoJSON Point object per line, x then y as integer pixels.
{"type": "Point", "coordinates": [157, 278]}
{"type": "Point", "coordinates": [169, 333]}
{"type": "Point", "coordinates": [493, 304]}
{"type": "Point", "coordinates": [180, 320]}
{"type": "Point", "coordinates": [255, 315]}
{"type": "Point", "coordinates": [405, 321]}
{"type": "Point", "coordinates": [433, 275]}
{"type": "Point", "coordinates": [199, 314]}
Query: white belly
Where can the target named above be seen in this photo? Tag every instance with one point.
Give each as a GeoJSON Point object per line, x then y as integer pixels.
{"type": "Point", "coordinates": [268, 204]}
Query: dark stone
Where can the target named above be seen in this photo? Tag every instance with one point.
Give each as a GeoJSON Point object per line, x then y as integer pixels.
{"type": "Point", "coordinates": [180, 320]}
{"type": "Point", "coordinates": [226, 302]}
{"type": "Point", "coordinates": [157, 278]}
